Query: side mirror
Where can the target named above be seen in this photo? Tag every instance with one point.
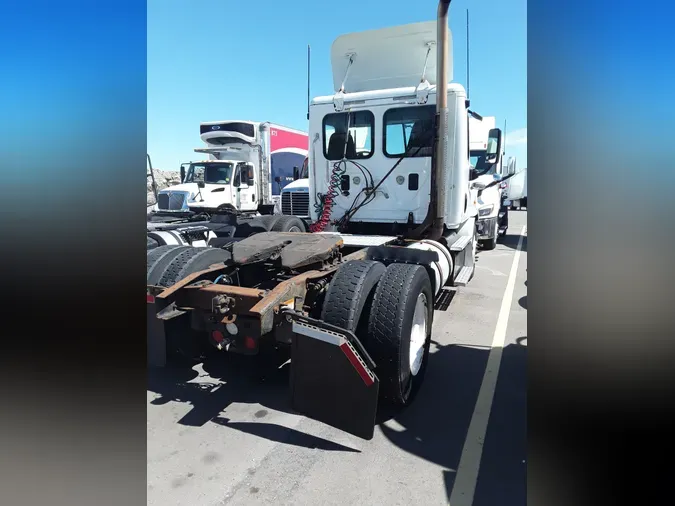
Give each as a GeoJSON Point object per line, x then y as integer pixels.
{"type": "Point", "coordinates": [201, 184]}
{"type": "Point", "coordinates": [296, 173]}
{"type": "Point", "coordinates": [494, 145]}
{"type": "Point", "coordinates": [183, 171]}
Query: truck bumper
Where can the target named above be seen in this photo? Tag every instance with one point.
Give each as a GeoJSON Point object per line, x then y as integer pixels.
{"type": "Point", "coordinates": [485, 227]}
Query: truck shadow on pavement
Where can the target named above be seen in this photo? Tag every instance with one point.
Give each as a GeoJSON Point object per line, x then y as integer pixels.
{"type": "Point", "coordinates": [234, 379]}
{"type": "Point", "coordinates": [434, 427]}
{"type": "Point", "coordinates": [511, 241]}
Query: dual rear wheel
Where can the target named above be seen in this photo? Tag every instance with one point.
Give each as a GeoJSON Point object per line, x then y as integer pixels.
{"type": "Point", "coordinates": [390, 309]}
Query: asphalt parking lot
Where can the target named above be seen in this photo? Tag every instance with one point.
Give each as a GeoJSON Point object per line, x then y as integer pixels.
{"type": "Point", "coordinates": [223, 433]}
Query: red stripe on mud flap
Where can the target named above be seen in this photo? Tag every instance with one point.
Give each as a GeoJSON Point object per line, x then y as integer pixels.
{"type": "Point", "coordinates": [150, 299]}
{"type": "Point", "coordinates": [358, 365]}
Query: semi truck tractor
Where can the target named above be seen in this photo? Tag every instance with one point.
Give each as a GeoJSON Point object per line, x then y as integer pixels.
{"type": "Point", "coordinates": [486, 168]}
{"type": "Point", "coordinates": [295, 195]}
{"type": "Point", "coordinates": [394, 225]}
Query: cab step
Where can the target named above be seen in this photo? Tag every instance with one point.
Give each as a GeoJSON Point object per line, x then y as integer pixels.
{"type": "Point", "coordinates": [460, 243]}
{"type": "Point", "coordinates": [464, 276]}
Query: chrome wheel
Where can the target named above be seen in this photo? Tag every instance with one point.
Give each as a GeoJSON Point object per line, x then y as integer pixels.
{"type": "Point", "coordinates": [418, 334]}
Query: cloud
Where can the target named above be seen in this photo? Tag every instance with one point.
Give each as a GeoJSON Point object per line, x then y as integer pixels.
{"type": "Point", "coordinates": [516, 137]}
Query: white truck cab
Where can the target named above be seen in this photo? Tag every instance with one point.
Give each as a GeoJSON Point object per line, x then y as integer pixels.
{"type": "Point", "coordinates": [211, 184]}
{"type": "Point", "coordinates": [485, 153]}
{"type": "Point", "coordinates": [295, 195]}
{"type": "Point", "coordinates": [372, 144]}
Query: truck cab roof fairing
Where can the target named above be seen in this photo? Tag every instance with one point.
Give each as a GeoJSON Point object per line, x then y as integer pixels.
{"type": "Point", "coordinates": [387, 58]}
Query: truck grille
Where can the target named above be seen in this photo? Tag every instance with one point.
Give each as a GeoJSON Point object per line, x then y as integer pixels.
{"type": "Point", "coordinates": [171, 201]}
{"type": "Point", "coordinates": [295, 203]}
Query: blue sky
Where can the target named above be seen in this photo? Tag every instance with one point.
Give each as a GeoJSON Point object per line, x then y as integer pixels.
{"type": "Point", "coordinates": [217, 59]}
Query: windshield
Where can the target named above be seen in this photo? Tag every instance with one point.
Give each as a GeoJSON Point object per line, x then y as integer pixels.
{"type": "Point", "coordinates": [480, 166]}
{"type": "Point", "coordinates": [213, 173]}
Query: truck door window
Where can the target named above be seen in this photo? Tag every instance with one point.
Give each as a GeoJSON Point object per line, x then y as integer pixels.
{"type": "Point", "coordinates": [244, 174]}
{"type": "Point", "coordinates": [479, 164]}
{"type": "Point", "coordinates": [409, 131]}
{"type": "Point", "coordinates": [357, 143]}
{"type": "Point", "coordinates": [195, 174]}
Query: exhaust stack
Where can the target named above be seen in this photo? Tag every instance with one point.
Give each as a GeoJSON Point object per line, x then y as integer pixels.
{"type": "Point", "coordinates": [442, 120]}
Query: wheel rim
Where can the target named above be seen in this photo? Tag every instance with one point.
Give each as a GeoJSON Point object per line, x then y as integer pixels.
{"type": "Point", "coordinates": [294, 229]}
{"type": "Point", "coordinates": [418, 334]}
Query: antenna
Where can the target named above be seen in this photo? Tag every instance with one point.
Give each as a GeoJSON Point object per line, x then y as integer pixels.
{"type": "Point", "coordinates": [308, 99]}
{"type": "Point", "coordinates": [467, 53]}
{"type": "Point", "coordinates": [468, 122]}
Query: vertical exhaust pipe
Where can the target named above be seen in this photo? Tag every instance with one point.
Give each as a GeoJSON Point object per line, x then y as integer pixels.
{"type": "Point", "coordinates": [438, 184]}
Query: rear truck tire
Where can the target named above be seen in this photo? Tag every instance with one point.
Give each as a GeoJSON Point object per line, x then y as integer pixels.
{"type": "Point", "coordinates": [247, 228]}
{"type": "Point", "coordinates": [158, 260]}
{"type": "Point", "coordinates": [289, 224]}
{"type": "Point", "coordinates": [192, 260]}
{"type": "Point", "coordinates": [266, 221]}
{"type": "Point", "coordinates": [399, 331]}
{"type": "Point", "coordinates": [350, 292]}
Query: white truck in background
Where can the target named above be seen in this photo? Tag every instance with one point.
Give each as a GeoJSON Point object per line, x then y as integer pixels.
{"type": "Point", "coordinates": [517, 190]}
{"type": "Point", "coordinates": [485, 170]}
{"type": "Point", "coordinates": [295, 195]}
{"type": "Point", "coordinates": [249, 164]}
{"type": "Point", "coordinates": [233, 194]}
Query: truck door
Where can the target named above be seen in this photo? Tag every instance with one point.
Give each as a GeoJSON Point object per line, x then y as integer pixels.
{"type": "Point", "coordinates": [245, 187]}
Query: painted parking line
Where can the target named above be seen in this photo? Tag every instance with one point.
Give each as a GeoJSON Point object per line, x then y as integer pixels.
{"type": "Point", "coordinates": [469, 464]}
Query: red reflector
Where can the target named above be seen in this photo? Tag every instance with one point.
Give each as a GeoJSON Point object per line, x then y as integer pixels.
{"type": "Point", "coordinates": [218, 336]}
{"type": "Point", "coordinates": [360, 368]}
{"type": "Point", "coordinates": [150, 298]}
{"type": "Point", "coordinates": [249, 342]}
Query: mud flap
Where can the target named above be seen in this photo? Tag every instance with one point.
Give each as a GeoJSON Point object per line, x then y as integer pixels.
{"type": "Point", "coordinates": [331, 377]}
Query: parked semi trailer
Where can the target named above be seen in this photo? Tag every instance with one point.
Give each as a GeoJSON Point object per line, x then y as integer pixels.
{"type": "Point", "coordinates": [394, 224]}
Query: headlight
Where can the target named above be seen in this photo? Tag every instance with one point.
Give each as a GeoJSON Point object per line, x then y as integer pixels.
{"type": "Point", "coordinates": [484, 211]}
